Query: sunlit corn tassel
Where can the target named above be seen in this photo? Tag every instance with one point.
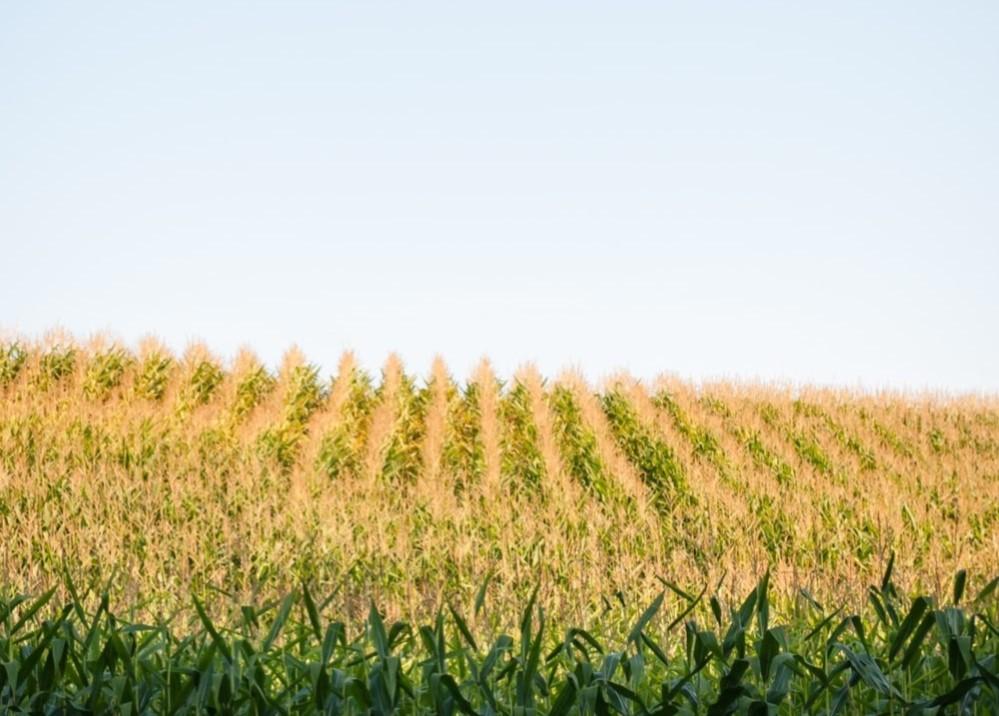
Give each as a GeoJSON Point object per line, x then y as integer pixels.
{"type": "Point", "coordinates": [330, 414]}
{"type": "Point", "coordinates": [382, 419]}
{"type": "Point", "coordinates": [435, 485]}
{"type": "Point", "coordinates": [555, 472]}
{"type": "Point", "coordinates": [488, 392]}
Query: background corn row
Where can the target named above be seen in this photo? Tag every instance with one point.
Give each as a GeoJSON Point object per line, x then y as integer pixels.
{"type": "Point", "coordinates": [167, 474]}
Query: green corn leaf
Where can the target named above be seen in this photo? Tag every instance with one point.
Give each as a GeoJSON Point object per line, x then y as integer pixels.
{"type": "Point", "coordinates": [643, 621]}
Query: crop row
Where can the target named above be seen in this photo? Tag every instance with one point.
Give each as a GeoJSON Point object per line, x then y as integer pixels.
{"type": "Point", "coordinates": [688, 654]}
{"type": "Point", "coordinates": [180, 474]}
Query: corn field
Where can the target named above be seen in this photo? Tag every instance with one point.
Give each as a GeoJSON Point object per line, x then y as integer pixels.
{"type": "Point", "coordinates": [285, 657]}
{"type": "Point", "coordinates": [203, 502]}
{"type": "Point", "coordinates": [170, 475]}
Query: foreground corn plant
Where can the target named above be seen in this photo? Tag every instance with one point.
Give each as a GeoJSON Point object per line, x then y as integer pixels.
{"type": "Point", "coordinates": [900, 657]}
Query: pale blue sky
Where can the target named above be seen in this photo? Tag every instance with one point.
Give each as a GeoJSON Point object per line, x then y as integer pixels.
{"type": "Point", "coordinates": [776, 190]}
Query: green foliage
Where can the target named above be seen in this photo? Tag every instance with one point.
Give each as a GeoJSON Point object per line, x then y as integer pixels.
{"type": "Point", "coordinates": [280, 443]}
{"type": "Point", "coordinates": [806, 447]}
{"type": "Point", "coordinates": [204, 381]}
{"type": "Point", "coordinates": [770, 414]}
{"type": "Point", "coordinates": [889, 438]}
{"type": "Point", "coordinates": [337, 453]}
{"type": "Point", "coordinates": [765, 458]}
{"type": "Point", "coordinates": [704, 444]}
{"type": "Point", "coordinates": [985, 524]}
{"type": "Point", "coordinates": [13, 356]}
{"type": "Point", "coordinates": [691, 657]}
{"type": "Point", "coordinates": [715, 406]}
{"type": "Point", "coordinates": [154, 376]}
{"type": "Point", "coordinates": [360, 399]}
{"type": "Point", "coordinates": [464, 451]}
{"type": "Point", "coordinates": [55, 365]}
{"type": "Point", "coordinates": [579, 445]}
{"type": "Point", "coordinates": [762, 456]}
{"type": "Point", "coordinates": [654, 459]}
{"type": "Point", "coordinates": [809, 451]}
{"type": "Point", "coordinates": [841, 533]}
{"type": "Point", "coordinates": [340, 449]}
{"type": "Point", "coordinates": [522, 463]}
{"type": "Point", "coordinates": [866, 456]}
{"type": "Point", "coordinates": [164, 504]}
{"type": "Point", "coordinates": [849, 442]}
{"type": "Point", "coordinates": [104, 373]}
{"type": "Point", "coordinates": [251, 391]}
{"type": "Point", "coordinates": [403, 458]}
{"type": "Point", "coordinates": [775, 528]}
{"type": "Point", "coordinates": [937, 441]}
{"type": "Point", "coordinates": [304, 394]}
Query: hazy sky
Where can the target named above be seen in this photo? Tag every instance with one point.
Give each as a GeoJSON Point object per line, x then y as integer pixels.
{"type": "Point", "coordinates": [796, 191]}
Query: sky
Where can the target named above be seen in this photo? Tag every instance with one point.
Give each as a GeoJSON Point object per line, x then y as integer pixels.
{"type": "Point", "coordinates": [786, 191]}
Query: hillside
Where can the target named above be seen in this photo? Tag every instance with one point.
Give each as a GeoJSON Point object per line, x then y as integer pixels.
{"type": "Point", "coordinates": [169, 474]}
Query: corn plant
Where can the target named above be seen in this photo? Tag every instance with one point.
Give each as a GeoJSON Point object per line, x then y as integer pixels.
{"type": "Point", "coordinates": [806, 447]}
{"type": "Point", "coordinates": [153, 376]}
{"type": "Point", "coordinates": [251, 391]}
{"type": "Point", "coordinates": [13, 356]}
{"type": "Point", "coordinates": [898, 656]}
{"type": "Point", "coordinates": [850, 443]}
{"type": "Point", "coordinates": [464, 453]}
{"type": "Point", "coordinates": [105, 372]}
{"type": "Point", "coordinates": [402, 457]}
{"type": "Point", "coordinates": [892, 440]}
{"type": "Point", "coordinates": [304, 395]}
{"type": "Point", "coordinates": [775, 528]}
{"type": "Point", "coordinates": [705, 445]}
{"type": "Point", "coordinates": [579, 444]}
{"type": "Point", "coordinates": [201, 386]}
{"type": "Point", "coordinates": [523, 464]}
{"type": "Point", "coordinates": [340, 449]}
{"type": "Point", "coordinates": [55, 365]}
{"type": "Point", "coordinates": [654, 459]}
{"type": "Point", "coordinates": [765, 458]}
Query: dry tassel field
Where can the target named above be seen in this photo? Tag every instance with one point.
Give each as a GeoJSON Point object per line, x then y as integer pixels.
{"type": "Point", "coordinates": [247, 507]}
